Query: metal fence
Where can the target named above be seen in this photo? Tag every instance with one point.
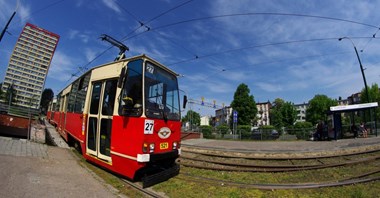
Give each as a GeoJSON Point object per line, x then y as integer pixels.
{"type": "Point", "coordinates": [284, 134]}
{"type": "Point", "coordinates": [18, 111]}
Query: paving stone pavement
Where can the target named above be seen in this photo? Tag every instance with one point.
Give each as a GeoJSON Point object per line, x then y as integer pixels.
{"type": "Point", "coordinates": [22, 147]}
{"type": "Point", "coordinates": [29, 169]}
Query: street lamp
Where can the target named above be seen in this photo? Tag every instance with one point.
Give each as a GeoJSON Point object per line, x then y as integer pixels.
{"type": "Point", "coordinates": [361, 66]}
{"type": "Point", "coordinates": [365, 82]}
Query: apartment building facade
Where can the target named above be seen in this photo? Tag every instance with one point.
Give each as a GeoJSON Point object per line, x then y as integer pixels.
{"type": "Point", "coordinates": [29, 65]}
{"type": "Point", "coordinates": [263, 109]}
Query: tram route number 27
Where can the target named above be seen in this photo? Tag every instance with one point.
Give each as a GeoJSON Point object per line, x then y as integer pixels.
{"type": "Point", "coordinates": [148, 126]}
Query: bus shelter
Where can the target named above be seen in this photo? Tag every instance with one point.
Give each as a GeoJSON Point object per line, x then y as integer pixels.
{"type": "Point", "coordinates": [336, 115]}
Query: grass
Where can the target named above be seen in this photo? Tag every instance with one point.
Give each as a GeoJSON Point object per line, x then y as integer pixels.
{"type": "Point", "coordinates": [192, 189]}
{"type": "Point", "coordinates": [180, 187]}
{"type": "Point", "coordinates": [108, 178]}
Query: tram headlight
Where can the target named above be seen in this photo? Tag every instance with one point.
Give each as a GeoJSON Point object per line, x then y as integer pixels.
{"type": "Point", "coordinates": [174, 145]}
{"type": "Point", "coordinates": [148, 147]}
{"type": "Point", "coordinates": [151, 147]}
{"type": "Point", "coordinates": [145, 148]}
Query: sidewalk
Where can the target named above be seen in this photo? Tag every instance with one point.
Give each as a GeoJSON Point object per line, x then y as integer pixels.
{"type": "Point", "coordinates": [36, 170]}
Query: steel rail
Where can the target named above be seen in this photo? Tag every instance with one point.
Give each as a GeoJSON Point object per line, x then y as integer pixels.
{"type": "Point", "coordinates": [227, 166]}
{"type": "Point", "coordinates": [348, 181]}
{"type": "Point", "coordinates": [268, 156]}
{"type": "Point", "coordinates": [139, 188]}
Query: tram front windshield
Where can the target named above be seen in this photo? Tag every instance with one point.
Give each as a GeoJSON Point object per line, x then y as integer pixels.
{"type": "Point", "coordinates": [160, 91]}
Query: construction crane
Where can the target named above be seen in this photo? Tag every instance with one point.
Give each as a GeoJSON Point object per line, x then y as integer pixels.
{"type": "Point", "coordinates": [116, 43]}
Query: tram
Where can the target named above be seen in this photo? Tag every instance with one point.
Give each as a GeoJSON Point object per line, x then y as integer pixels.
{"type": "Point", "coordinates": [125, 117]}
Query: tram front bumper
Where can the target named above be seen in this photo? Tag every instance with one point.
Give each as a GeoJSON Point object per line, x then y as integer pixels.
{"type": "Point", "coordinates": [158, 156]}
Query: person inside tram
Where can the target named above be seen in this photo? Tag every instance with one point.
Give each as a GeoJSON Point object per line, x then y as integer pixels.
{"type": "Point", "coordinates": [131, 101]}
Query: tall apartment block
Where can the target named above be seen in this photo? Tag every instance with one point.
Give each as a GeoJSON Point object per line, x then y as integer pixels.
{"type": "Point", "coordinates": [29, 65]}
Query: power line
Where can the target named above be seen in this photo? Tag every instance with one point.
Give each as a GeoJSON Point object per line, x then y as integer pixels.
{"type": "Point", "coordinates": [257, 46]}
{"type": "Point", "coordinates": [171, 9]}
{"type": "Point", "coordinates": [255, 13]}
{"type": "Point", "coordinates": [270, 62]}
{"type": "Point", "coordinates": [42, 9]}
{"type": "Point", "coordinates": [177, 44]}
{"type": "Point", "coordinates": [373, 36]}
{"type": "Point", "coordinates": [85, 67]}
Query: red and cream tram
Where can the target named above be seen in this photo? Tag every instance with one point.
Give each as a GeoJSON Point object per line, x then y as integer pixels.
{"type": "Point", "coordinates": [125, 116]}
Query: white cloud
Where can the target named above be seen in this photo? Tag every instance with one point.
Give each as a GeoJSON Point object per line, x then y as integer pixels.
{"type": "Point", "coordinates": [112, 5]}
{"type": "Point", "coordinates": [76, 34]}
{"type": "Point", "coordinates": [90, 54]}
{"type": "Point", "coordinates": [269, 87]}
{"type": "Point", "coordinates": [24, 13]}
{"type": "Point", "coordinates": [61, 67]}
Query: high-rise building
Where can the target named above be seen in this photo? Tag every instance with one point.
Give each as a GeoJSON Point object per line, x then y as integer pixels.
{"type": "Point", "coordinates": [29, 65]}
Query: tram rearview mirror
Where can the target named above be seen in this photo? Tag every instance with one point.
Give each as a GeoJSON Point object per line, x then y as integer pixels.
{"type": "Point", "coordinates": [121, 78]}
{"type": "Point", "coordinates": [184, 101]}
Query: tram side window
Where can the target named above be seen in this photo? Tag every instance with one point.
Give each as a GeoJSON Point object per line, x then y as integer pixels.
{"type": "Point", "coordinates": [94, 108]}
{"type": "Point", "coordinates": [72, 96]}
{"type": "Point", "coordinates": [57, 106]}
{"type": "Point", "coordinates": [81, 94]}
{"type": "Point", "coordinates": [131, 95]}
{"type": "Point", "coordinates": [109, 97]}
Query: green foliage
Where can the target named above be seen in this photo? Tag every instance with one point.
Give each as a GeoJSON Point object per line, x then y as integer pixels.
{"type": "Point", "coordinates": [47, 96]}
{"type": "Point", "coordinates": [374, 96]}
{"type": "Point", "coordinates": [245, 131]}
{"type": "Point", "coordinates": [223, 129]}
{"type": "Point", "coordinates": [283, 114]}
{"type": "Point", "coordinates": [267, 127]}
{"type": "Point", "coordinates": [318, 107]}
{"type": "Point", "coordinates": [192, 117]}
{"type": "Point", "coordinates": [1, 91]}
{"type": "Point", "coordinates": [301, 129]}
{"type": "Point", "coordinates": [245, 105]}
{"type": "Point", "coordinates": [10, 95]}
{"type": "Point", "coordinates": [206, 130]}
{"type": "Point", "coordinates": [302, 125]}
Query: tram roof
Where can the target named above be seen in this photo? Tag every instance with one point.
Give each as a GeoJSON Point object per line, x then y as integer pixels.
{"type": "Point", "coordinates": [355, 107]}
{"type": "Point", "coordinates": [142, 56]}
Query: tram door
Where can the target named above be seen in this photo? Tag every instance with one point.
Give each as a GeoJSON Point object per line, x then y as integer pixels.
{"type": "Point", "coordinates": [100, 118]}
{"type": "Point", "coordinates": [62, 118]}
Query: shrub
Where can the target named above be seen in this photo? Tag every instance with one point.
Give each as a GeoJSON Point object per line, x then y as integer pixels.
{"type": "Point", "coordinates": [207, 131]}
{"type": "Point", "coordinates": [223, 129]}
{"type": "Point", "coordinates": [245, 131]}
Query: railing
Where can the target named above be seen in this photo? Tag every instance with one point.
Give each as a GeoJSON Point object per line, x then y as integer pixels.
{"type": "Point", "coordinates": [285, 134]}
{"type": "Point", "coordinates": [18, 111]}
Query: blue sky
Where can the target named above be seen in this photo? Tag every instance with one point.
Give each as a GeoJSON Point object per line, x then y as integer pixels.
{"type": "Point", "coordinates": [275, 47]}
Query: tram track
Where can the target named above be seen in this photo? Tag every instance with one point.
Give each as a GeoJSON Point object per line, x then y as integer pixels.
{"type": "Point", "coordinates": [222, 163]}
{"type": "Point", "coordinates": [145, 191]}
{"type": "Point", "coordinates": [363, 178]}
{"type": "Point", "coordinates": [281, 155]}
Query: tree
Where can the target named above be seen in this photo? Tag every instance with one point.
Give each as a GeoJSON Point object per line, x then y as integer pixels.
{"type": "Point", "coordinates": [192, 117]}
{"type": "Point", "coordinates": [1, 91]}
{"type": "Point", "coordinates": [245, 105]}
{"type": "Point", "coordinates": [283, 114]}
{"type": "Point", "coordinates": [47, 96]}
{"type": "Point", "coordinates": [10, 95]}
{"type": "Point", "coordinates": [289, 114]}
{"type": "Point", "coordinates": [374, 96]}
{"type": "Point", "coordinates": [318, 107]}
{"type": "Point", "coordinates": [275, 113]}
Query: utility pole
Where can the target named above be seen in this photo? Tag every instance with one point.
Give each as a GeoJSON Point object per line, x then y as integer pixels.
{"type": "Point", "coordinates": [9, 21]}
